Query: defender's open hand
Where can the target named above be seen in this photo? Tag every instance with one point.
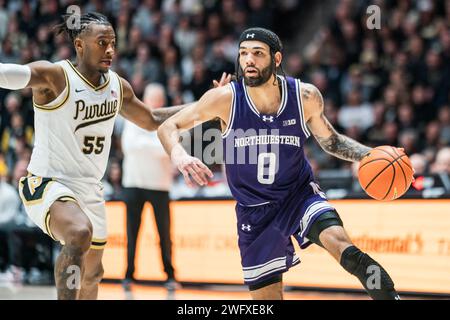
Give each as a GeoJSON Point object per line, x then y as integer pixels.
{"type": "Point", "coordinates": [224, 80]}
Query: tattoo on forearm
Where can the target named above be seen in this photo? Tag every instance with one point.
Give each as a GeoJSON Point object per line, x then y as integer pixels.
{"type": "Point", "coordinates": [342, 146]}
{"type": "Point", "coordinates": [162, 114]}
{"type": "Point", "coordinates": [69, 256]}
{"type": "Point", "coordinates": [336, 144]}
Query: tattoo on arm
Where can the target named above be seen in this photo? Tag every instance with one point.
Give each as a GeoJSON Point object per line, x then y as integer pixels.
{"type": "Point", "coordinates": [312, 93]}
{"type": "Point", "coordinates": [162, 114]}
{"type": "Point", "coordinates": [342, 146]}
{"type": "Point", "coordinates": [337, 144]}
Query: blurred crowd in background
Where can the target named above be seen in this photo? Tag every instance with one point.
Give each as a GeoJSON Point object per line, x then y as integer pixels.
{"type": "Point", "coordinates": [386, 86]}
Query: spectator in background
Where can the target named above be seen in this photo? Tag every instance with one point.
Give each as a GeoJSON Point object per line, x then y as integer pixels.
{"type": "Point", "coordinates": [442, 163]}
{"type": "Point", "coordinates": [185, 37]}
{"type": "Point", "coordinates": [9, 205]}
{"type": "Point", "coordinates": [148, 175]}
{"type": "Point", "coordinates": [261, 14]}
{"type": "Point", "coordinates": [146, 64]}
{"type": "Point", "coordinates": [295, 66]}
{"type": "Point", "coordinates": [113, 184]}
{"type": "Point", "coordinates": [15, 138]}
{"type": "Point", "coordinates": [375, 134]}
{"type": "Point", "coordinates": [444, 120]}
{"type": "Point", "coordinates": [201, 81]}
{"type": "Point", "coordinates": [406, 118]}
{"type": "Point", "coordinates": [3, 20]}
{"type": "Point", "coordinates": [24, 250]}
{"type": "Point", "coordinates": [145, 17]}
{"type": "Point", "coordinates": [421, 97]}
{"type": "Point", "coordinates": [356, 113]}
{"type": "Point", "coordinates": [419, 164]}
{"type": "Point", "coordinates": [218, 63]}
{"type": "Point", "coordinates": [390, 130]}
{"type": "Point", "coordinates": [432, 136]}
{"type": "Point", "coordinates": [9, 198]}
{"type": "Point", "coordinates": [408, 141]}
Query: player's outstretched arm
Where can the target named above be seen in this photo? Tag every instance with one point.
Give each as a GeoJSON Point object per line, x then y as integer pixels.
{"type": "Point", "coordinates": [42, 76]}
{"type": "Point", "coordinates": [331, 141]}
{"type": "Point", "coordinates": [135, 110]}
{"type": "Point", "coordinates": [213, 104]}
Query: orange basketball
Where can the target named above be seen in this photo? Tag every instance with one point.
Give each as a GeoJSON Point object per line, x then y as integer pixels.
{"type": "Point", "coordinates": [385, 173]}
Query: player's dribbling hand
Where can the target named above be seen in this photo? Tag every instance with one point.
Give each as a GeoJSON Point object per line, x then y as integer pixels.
{"type": "Point", "coordinates": [224, 80]}
{"type": "Point", "coordinates": [192, 167]}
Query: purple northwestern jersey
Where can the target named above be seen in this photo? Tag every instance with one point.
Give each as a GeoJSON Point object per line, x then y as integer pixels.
{"type": "Point", "coordinates": [271, 180]}
{"type": "Point", "coordinates": [264, 153]}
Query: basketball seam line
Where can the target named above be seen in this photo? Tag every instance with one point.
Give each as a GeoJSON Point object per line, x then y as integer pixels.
{"type": "Point", "coordinates": [395, 160]}
{"type": "Point", "coordinates": [392, 181]}
{"type": "Point", "coordinates": [404, 163]}
{"type": "Point", "coordinates": [373, 160]}
{"type": "Point", "coordinates": [404, 175]}
{"type": "Point", "coordinates": [401, 167]}
{"type": "Point", "coordinates": [394, 157]}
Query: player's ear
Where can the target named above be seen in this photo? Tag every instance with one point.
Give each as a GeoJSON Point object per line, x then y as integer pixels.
{"type": "Point", "coordinates": [78, 44]}
{"type": "Point", "coordinates": [278, 58]}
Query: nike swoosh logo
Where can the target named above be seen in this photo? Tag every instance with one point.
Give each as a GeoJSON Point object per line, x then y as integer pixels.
{"type": "Point", "coordinates": [80, 90]}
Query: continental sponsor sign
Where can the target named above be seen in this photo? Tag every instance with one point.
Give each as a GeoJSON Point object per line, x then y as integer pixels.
{"type": "Point", "coordinates": [410, 238]}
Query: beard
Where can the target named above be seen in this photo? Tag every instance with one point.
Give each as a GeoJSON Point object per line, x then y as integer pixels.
{"type": "Point", "coordinates": [262, 76]}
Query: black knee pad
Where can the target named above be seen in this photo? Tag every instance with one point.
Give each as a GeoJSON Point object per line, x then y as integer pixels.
{"type": "Point", "coordinates": [265, 283]}
{"type": "Point", "coordinates": [324, 221]}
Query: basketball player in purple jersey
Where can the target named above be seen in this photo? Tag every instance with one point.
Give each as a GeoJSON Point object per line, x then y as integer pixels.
{"type": "Point", "coordinates": [266, 119]}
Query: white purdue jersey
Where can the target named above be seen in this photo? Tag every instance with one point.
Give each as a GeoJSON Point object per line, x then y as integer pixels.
{"type": "Point", "coordinates": [73, 132]}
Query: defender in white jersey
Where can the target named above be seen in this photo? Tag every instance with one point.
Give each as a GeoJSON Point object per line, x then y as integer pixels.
{"type": "Point", "coordinates": [72, 143]}
{"type": "Point", "coordinates": [75, 108]}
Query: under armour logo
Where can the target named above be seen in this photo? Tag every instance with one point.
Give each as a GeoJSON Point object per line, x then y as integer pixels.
{"type": "Point", "coordinates": [251, 35]}
{"type": "Point", "coordinates": [269, 119]}
{"type": "Point", "coordinates": [246, 227]}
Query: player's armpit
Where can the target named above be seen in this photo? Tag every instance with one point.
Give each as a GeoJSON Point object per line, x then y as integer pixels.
{"type": "Point", "coordinates": [331, 141]}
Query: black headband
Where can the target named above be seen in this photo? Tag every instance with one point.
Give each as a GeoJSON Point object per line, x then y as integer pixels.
{"type": "Point", "coordinates": [263, 35]}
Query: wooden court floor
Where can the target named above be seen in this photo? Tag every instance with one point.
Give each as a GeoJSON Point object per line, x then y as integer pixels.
{"type": "Point", "coordinates": [109, 291]}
